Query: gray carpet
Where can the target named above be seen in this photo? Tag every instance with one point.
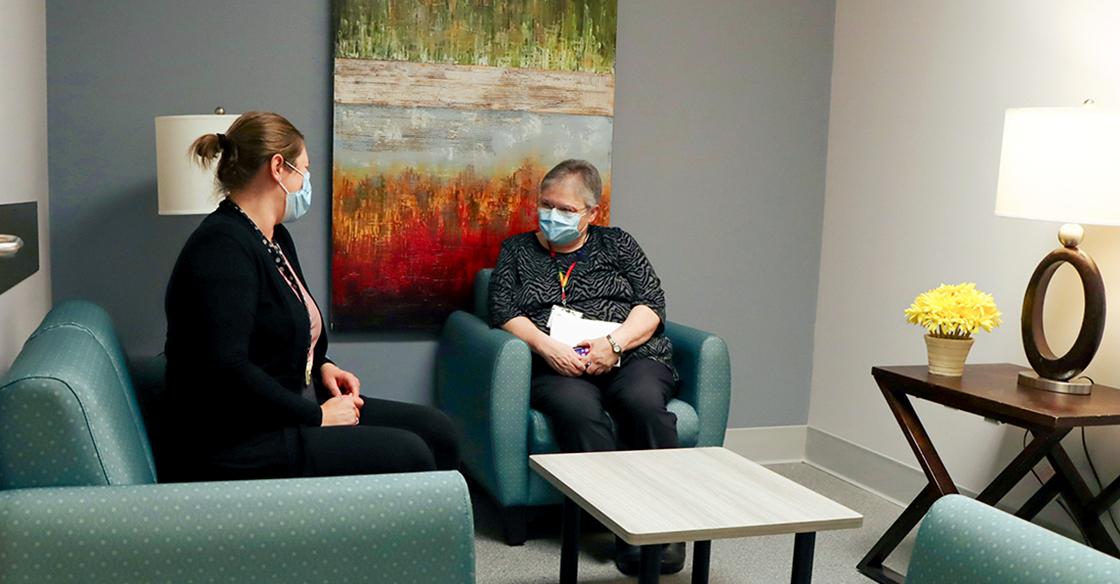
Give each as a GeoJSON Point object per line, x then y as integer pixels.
{"type": "Point", "coordinates": [758, 559]}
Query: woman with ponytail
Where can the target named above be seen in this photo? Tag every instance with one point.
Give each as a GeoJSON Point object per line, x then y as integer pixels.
{"type": "Point", "coordinates": [251, 392]}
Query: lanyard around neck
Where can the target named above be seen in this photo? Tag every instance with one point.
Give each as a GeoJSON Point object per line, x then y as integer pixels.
{"type": "Point", "coordinates": [564, 277]}
{"type": "Point", "coordinates": [274, 251]}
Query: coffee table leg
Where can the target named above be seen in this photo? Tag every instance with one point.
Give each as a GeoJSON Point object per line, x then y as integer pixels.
{"type": "Point", "coordinates": [701, 560]}
{"type": "Point", "coordinates": [569, 543]}
{"type": "Point", "coordinates": [651, 564]}
{"type": "Point", "coordinates": [803, 544]}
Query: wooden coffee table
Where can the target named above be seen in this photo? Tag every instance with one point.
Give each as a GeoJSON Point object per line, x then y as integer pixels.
{"type": "Point", "coordinates": [652, 497]}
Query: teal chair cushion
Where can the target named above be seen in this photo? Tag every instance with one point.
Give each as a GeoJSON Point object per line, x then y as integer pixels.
{"type": "Point", "coordinates": [482, 382]}
{"type": "Point", "coordinates": [66, 419]}
{"type": "Point", "coordinates": [96, 322]}
{"type": "Point", "coordinates": [963, 541]}
{"type": "Point", "coordinates": [481, 301]}
{"type": "Point", "coordinates": [69, 427]}
{"type": "Point", "coordinates": [541, 440]}
{"type": "Point", "coordinates": [414, 528]}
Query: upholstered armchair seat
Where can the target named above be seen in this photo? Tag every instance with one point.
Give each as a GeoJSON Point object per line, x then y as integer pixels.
{"type": "Point", "coordinates": [962, 541]}
{"type": "Point", "coordinates": [482, 382]}
{"type": "Point", "coordinates": [80, 501]}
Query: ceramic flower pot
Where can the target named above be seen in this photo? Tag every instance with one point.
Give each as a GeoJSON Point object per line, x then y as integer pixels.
{"type": "Point", "coordinates": [947, 356]}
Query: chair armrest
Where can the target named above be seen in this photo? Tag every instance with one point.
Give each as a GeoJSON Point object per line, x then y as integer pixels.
{"type": "Point", "coordinates": [704, 367]}
{"type": "Point", "coordinates": [962, 540]}
{"type": "Point", "coordinates": [414, 527]}
{"type": "Point", "coordinates": [482, 382]}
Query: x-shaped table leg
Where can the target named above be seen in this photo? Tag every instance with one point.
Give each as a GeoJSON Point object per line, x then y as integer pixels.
{"type": "Point", "coordinates": [1080, 500]}
{"type": "Point", "coordinates": [1044, 445]}
{"type": "Point", "coordinates": [940, 484]}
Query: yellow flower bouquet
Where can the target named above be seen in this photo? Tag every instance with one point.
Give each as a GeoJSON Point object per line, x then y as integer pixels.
{"type": "Point", "coordinates": [951, 315]}
{"type": "Point", "coordinates": [954, 312]}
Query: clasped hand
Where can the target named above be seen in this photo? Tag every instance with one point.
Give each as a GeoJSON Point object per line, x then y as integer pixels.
{"type": "Point", "coordinates": [344, 406]}
{"type": "Point", "coordinates": [599, 357]}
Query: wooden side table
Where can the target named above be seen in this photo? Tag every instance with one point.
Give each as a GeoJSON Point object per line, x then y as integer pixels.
{"type": "Point", "coordinates": [992, 391]}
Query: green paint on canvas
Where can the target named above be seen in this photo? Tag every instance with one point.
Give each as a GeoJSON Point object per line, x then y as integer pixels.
{"type": "Point", "coordinates": [564, 35]}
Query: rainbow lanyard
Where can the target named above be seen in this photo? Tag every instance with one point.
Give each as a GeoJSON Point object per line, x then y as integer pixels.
{"type": "Point", "coordinates": [565, 278]}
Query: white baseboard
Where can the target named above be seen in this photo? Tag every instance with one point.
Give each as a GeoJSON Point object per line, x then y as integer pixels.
{"type": "Point", "coordinates": [891, 479]}
{"type": "Point", "coordinates": [897, 481]}
{"type": "Point", "coordinates": [767, 444]}
{"type": "Point", "coordinates": [871, 471]}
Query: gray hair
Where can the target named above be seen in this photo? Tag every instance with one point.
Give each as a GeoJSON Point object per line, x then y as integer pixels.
{"type": "Point", "coordinates": [587, 173]}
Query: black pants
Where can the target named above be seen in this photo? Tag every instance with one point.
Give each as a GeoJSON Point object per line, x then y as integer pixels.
{"type": "Point", "coordinates": [634, 394]}
{"type": "Point", "coordinates": [391, 437]}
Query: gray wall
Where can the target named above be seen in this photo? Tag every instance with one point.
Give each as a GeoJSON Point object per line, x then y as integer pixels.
{"type": "Point", "coordinates": [720, 136]}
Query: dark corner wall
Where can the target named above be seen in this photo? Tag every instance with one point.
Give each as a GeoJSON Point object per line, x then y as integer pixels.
{"type": "Point", "coordinates": [719, 162]}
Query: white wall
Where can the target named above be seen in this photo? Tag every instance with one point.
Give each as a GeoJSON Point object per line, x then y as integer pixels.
{"type": "Point", "coordinates": [23, 150]}
{"type": "Point", "coordinates": [918, 95]}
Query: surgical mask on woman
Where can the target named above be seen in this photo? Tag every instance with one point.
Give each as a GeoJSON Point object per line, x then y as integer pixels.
{"type": "Point", "coordinates": [299, 202]}
{"type": "Point", "coordinates": [559, 227]}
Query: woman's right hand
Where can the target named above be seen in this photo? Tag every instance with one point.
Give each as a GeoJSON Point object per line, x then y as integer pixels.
{"type": "Point", "coordinates": [340, 411]}
{"type": "Point", "coordinates": [561, 357]}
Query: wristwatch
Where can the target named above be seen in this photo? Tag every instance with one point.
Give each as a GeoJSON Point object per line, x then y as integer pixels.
{"type": "Point", "coordinates": [617, 348]}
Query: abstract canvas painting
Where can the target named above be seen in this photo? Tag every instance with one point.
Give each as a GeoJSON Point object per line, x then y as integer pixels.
{"type": "Point", "coordinates": [447, 114]}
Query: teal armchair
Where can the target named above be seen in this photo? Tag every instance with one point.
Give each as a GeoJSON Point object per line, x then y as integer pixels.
{"type": "Point", "coordinates": [962, 541]}
{"type": "Point", "coordinates": [80, 500]}
{"type": "Point", "coordinates": [482, 382]}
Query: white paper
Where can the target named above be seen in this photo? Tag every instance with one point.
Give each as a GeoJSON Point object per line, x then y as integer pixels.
{"type": "Point", "coordinates": [571, 331]}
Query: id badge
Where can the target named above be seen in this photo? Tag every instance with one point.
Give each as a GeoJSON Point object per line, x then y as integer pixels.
{"type": "Point", "coordinates": [561, 312]}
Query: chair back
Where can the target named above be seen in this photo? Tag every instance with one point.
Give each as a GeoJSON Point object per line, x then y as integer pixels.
{"type": "Point", "coordinates": [68, 410]}
{"type": "Point", "coordinates": [963, 540]}
{"type": "Point", "coordinates": [481, 306]}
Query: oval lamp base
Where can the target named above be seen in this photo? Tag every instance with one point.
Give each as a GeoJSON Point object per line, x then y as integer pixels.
{"type": "Point", "coordinates": [1074, 387]}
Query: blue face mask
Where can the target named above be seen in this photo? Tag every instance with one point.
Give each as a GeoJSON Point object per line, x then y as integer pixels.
{"type": "Point", "coordinates": [559, 227]}
{"type": "Point", "coordinates": [299, 202]}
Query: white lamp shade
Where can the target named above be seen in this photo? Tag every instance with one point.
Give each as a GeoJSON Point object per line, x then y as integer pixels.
{"type": "Point", "coordinates": [1061, 164]}
{"type": "Point", "coordinates": [185, 186]}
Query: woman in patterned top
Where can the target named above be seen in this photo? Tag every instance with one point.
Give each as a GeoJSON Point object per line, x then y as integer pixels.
{"type": "Point", "coordinates": [600, 273]}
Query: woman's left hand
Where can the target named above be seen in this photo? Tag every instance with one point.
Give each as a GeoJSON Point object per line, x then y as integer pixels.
{"type": "Point", "coordinates": [600, 357]}
{"type": "Point", "coordinates": [340, 382]}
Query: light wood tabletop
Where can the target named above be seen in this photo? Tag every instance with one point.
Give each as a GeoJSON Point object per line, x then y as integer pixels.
{"type": "Point", "coordinates": [688, 494]}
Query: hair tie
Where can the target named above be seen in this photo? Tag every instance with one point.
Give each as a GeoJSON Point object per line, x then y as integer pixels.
{"type": "Point", "coordinates": [223, 141]}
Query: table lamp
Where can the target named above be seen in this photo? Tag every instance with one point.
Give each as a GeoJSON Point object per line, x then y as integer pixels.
{"type": "Point", "coordinates": [185, 186]}
{"type": "Point", "coordinates": [1061, 164]}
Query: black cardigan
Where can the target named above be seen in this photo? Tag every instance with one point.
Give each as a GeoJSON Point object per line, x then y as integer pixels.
{"type": "Point", "coordinates": [237, 337]}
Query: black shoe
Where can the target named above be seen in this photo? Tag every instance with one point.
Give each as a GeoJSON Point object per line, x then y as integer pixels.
{"type": "Point", "coordinates": [628, 558]}
{"type": "Point", "coordinates": [672, 558]}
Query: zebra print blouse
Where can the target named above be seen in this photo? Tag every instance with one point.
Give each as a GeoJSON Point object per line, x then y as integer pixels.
{"type": "Point", "coordinates": [612, 275]}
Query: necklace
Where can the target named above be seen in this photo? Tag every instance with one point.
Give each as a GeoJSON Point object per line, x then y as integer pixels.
{"type": "Point", "coordinates": [273, 248]}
